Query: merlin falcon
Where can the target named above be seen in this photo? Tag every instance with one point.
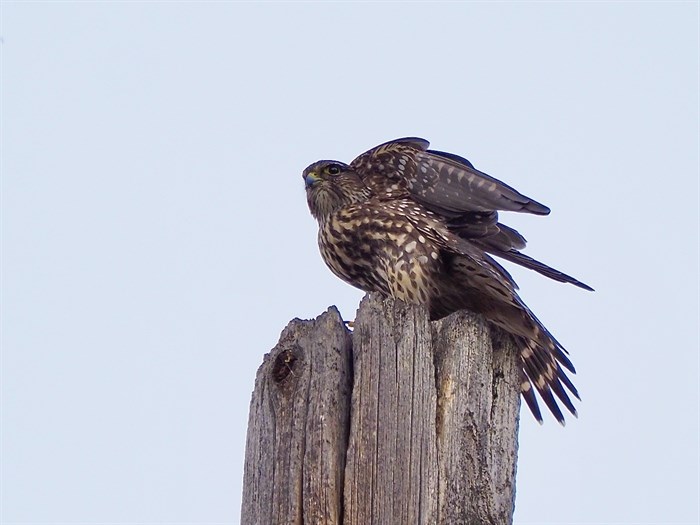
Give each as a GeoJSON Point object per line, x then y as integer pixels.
{"type": "Point", "coordinates": [422, 226]}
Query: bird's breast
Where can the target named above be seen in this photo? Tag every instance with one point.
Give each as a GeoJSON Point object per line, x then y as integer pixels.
{"type": "Point", "coordinates": [377, 249]}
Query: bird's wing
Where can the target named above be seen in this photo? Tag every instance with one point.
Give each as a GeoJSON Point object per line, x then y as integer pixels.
{"type": "Point", "coordinates": [505, 242]}
{"type": "Point", "coordinates": [443, 182]}
{"type": "Point", "coordinates": [526, 261]}
{"type": "Point", "coordinates": [483, 285]}
{"type": "Point", "coordinates": [450, 186]}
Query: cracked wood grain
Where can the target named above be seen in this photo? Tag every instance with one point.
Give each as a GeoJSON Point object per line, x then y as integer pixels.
{"type": "Point", "coordinates": [402, 421]}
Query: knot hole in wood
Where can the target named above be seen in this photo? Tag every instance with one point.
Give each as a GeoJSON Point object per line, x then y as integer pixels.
{"type": "Point", "coordinates": [284, 364]}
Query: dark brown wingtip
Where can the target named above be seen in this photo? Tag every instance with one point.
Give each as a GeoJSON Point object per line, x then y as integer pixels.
{"type": "Point", "coordinates": [536, 208]}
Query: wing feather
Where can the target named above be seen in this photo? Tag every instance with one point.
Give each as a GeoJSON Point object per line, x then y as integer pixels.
{"type": "Point", "coordinates": [445, 183]}
{"type": "Point", "coordinates": [453, 185]}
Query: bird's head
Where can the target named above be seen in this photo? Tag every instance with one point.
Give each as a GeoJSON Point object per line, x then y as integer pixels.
{"type": "Point", "coordinates": [330, 185]}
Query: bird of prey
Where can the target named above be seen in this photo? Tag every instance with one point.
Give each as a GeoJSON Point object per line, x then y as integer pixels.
{"type": "Point", "coordinates": [421, 226]}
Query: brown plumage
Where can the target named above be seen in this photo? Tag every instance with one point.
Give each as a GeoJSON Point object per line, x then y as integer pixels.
{"type": "Point", "coordinates": [419, 225]}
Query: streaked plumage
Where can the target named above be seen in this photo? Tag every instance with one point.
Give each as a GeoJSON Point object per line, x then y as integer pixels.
{"type": "Point", "coordinates": [419, 225]}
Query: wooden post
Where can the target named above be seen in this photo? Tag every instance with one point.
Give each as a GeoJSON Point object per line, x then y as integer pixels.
{"type": "Point", "coordinates": [402, 421]}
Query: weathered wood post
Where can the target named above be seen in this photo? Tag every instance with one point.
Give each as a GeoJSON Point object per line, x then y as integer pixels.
{"type": "Point", "coordinates": [402, 421]}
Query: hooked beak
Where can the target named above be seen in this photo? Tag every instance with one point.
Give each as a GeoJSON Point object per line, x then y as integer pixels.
{"type": "Point", "coordinates": [311, 179]}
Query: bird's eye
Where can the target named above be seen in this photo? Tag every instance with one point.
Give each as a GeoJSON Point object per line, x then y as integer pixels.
{"type": "Point", "coordinates": [333, 169]}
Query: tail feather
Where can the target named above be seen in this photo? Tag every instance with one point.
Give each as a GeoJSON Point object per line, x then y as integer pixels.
{"type": "Point", "coordinates": [558, 389]}
{"type": "Point", "coordinates": [474, 281]}
{"type": "Point", "coordinates": [543, 389]}
{"type": "Point", "coordinates": [548, 398]}
{"type": "Point", "coordinates": [567, 382]}
{"type": "Point", "coordinates": [528, 394]}
{"type": "Point", "coordinates": [543, 356]}
{"type": "Point", "coordinates": [543, 362]}
{"type": "Point", "coordinates": [560, 355]}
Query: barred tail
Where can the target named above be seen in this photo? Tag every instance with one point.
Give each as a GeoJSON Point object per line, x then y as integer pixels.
{"type": "Point", "coordinates": [480, 284]}
{"type": "Point", "coordinates": [542, 372]}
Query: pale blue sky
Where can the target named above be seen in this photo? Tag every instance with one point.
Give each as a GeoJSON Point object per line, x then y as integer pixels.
{"type": "Point", "coordinates": [156, 240]}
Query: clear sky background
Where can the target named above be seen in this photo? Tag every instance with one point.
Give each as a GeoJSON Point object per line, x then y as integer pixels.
{"type": "Point", "coordinates": [156, 239]}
